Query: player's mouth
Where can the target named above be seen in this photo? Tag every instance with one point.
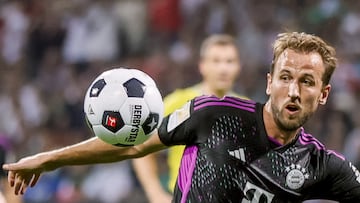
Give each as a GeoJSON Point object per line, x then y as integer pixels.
{"type": "Point", "coordinates": [292, 108]}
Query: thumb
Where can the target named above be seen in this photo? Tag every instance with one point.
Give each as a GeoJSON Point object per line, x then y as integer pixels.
{"type": "Point", "coordinates": [11, 167]}
{"type": "Point", "coordinates": [6, 167]}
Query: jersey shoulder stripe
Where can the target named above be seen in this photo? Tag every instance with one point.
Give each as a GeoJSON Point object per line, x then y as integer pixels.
{"type": "Point", "coordinates": [336, 154]}
{"type": "Point", "coordinates": [205, 101]}
{"type": "Point", "coordinates": [306, 139]}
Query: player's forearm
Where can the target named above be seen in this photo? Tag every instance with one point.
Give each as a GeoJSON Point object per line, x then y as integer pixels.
{"type": "Point", "coordinates": [94, 151]}
{"type": "Point", "coordinates": [91, 151]}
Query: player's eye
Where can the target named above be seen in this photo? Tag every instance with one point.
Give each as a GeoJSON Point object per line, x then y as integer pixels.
{"type": "Point", "coordinates": [285, 78]}
{"type": "Point", "coordinates": [216, 60]}
{"type": "Point", "coordinates": [308, 82]}
{"type": "Point", "coordinates": [230, 61]}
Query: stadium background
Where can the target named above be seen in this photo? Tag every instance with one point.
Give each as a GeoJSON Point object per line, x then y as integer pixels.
{"type": "Point", "coordinates": [50, 51]}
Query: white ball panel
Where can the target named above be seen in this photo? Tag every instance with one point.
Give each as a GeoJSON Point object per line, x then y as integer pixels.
{"type": "Point", "coordinates": [154, 101]}
{"type": "Point", "coordinates": [104, 134]}
{"type": "Point", "coordinates": [131, 135]}
{"type": "Point", "coordinates": [134, 109]}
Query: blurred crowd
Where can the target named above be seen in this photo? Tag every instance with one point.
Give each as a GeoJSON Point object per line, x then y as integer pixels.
{"type": "Point", "coordinates": [50, 51]}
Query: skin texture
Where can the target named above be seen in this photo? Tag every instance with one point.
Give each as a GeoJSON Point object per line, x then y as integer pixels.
{"type": "Point", "coordinates": [295, 91]}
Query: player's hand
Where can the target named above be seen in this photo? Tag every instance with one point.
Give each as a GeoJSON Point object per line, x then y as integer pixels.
{"type": "Point", "coordinates": [24, 173]}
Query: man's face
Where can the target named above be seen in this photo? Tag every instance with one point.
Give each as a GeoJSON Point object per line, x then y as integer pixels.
{"type": "Point", "coordinates": [220, 66]}
{"type": "Point", "coordinates": [296, 88]}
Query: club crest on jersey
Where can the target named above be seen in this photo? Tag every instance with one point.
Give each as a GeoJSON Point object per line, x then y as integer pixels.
{"type": "Point", "coordinates": [296, 176]}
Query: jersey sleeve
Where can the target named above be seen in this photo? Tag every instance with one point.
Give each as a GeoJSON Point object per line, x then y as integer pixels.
{"type": "Point", "coordinates": [178, 127]}
{"type": "Point", "coordinates": [344, 179]}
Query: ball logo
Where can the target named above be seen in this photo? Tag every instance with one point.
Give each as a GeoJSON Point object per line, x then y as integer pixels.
{"type": "Point", "coordinates": [136, 113]}
{"type": "Point", "coordinates": [90, 110]}
{"type": "Point", "coordinates": [296, 176]}
{"type": "Point", "coordinates": [112, 121]}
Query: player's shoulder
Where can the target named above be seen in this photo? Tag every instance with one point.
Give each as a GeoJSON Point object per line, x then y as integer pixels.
{"type": "Point", "coordinates": [309, 141]}
{"type": "Point", "coordinates": [317, 147]}
{"type": "Point", "coordinates": [206, 101]}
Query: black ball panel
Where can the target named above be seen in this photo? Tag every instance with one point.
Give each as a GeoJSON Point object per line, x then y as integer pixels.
{"type": "Point", "coordinates": [134, 88]}
{"type": "Point", "coordinates": [150, 123]}
{"type": "Point", "coordinates": [97, 87]}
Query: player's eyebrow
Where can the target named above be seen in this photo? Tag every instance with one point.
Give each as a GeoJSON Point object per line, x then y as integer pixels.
{"type": "Point", "coordinates": [308, 75]}
{"type": "Point", "coordinates": [282, 71]}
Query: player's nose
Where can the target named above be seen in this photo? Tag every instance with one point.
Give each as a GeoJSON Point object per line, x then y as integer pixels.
{"type": "Point", "coordinates": [294, 91]}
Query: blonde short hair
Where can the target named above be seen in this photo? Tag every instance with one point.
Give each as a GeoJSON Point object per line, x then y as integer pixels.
{"type": "Point", "coordinates": [306, 43]}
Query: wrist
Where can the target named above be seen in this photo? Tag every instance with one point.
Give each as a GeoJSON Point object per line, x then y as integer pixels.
{"type": "Point", "coordinates": [49, 161]}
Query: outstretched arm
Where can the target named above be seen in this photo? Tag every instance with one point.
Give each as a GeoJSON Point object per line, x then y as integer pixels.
{"type": "Point", "coordinates": [27, 171]}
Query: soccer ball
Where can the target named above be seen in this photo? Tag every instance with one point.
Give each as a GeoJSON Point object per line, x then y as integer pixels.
{"type": "Point", "coordinates": [123, 106]}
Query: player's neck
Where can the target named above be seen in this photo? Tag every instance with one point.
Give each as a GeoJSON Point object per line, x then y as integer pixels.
{"type": "Point", "coordinates": [273, 131]}
{"type": "Point", "coordinates": [207, 90]}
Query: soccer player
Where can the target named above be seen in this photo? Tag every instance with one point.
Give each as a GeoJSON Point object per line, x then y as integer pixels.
{"type": "Point", "coordinates": [238, 150]}
{"type": "Point", "coordinates": [219, 67]}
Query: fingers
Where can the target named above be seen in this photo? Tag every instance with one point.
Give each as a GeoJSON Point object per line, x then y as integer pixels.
{"type": "Point", "coordinates": [22, 175]}
{"type": "Point", "coordinates": [20, 185]}
{"type": "Point", "coordinates": [11, 174]}
{"type": "Point", "coordinates": [20, 182]}
{"type": "Point", "coordinates": [11, 178]}
{"type": "Point", "coordinates": [23, 188]}
{"type": "Point", "coordinates": [34, 180]}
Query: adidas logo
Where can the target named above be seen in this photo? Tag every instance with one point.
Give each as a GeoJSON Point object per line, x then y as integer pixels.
{"type": "Point", "coordinates": [238, 153]}
{"type": "Point", "coordinates": [90, 110]}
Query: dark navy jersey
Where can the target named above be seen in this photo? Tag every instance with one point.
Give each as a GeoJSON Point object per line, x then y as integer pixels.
{"type": "Point", "coordinates": [230, 158]}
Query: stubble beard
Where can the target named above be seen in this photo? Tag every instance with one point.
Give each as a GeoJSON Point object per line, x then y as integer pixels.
{"type": "Point", "coordinates": [289, 124]}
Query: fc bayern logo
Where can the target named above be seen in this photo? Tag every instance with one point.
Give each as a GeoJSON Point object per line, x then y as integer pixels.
{"type": "Point", "coordinates": [296, 176]}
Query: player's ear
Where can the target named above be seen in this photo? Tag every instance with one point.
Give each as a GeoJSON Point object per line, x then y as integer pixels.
{"type": "Point", "coordinates": [268, 83]}
{"type": "Point", "coordinates": [324, 94]}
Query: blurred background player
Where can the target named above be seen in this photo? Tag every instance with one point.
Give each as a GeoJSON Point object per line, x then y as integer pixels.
{"type": "Point", "coordinates": [219, 67]}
